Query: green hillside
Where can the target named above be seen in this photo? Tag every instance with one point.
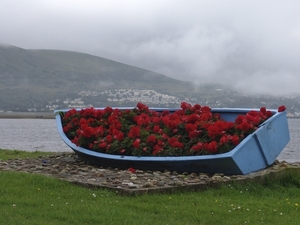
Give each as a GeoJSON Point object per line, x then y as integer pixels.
{"type": "Point", "coordinates": [34, 77]}
{"type": "Point", "coordinates": [43, 80]}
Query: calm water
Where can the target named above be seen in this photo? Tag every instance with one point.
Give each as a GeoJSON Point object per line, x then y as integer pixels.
{"type": "Point", "coordinates": [31, 135]}
{"type": "Point", "coordinates": [42, 135]}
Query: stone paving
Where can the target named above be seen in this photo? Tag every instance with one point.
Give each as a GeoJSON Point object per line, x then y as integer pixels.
{"type": "Point", "coordinates": [68, 167]}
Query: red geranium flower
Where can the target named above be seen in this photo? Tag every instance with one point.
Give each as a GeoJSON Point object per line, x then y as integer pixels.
{"type": "Point", "coordinates": [134, 132]}
{"type": "Point", "coordinates": [136, 143]}
{"type": "Point", "coordinates": [197, 147]}
{"type": "Point", "coordinates": [141, 106]}
{"type": "Point", "coordinates": [132, 170]}
{"type": "Point", "coordinates": [191, 130]}
{"type": "Point", "coordinates": [212, 147]}
{"type": "Point", "coordinates": [120, 136]}
{"type": "Point", "coordinates": [103, 144]}
{"type": "Point", "coordinates": [190, 127]}
{"type": "Point", "coordinates": [281, 108]}
{"type": "Point", "coordinates": [109, 138]}
{"type": "Point", "coordinates": [175, 143]}
{"type": "Point", "coordinates": [185, 105]}
{"type": "Point", "coordinates": [244, 126]}
{"type": "Point", "coordinates": [151, 139]}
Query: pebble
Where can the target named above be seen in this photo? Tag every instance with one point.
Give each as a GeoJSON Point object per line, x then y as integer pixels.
{"type": "Point", "coordinates": [148, 184]}
{"type": "Point", "coordinates": [69, 167]}
{"type": "Point", "coordinates": [160, 183]}
{"type": "Point", "coordinates": [217, 178]}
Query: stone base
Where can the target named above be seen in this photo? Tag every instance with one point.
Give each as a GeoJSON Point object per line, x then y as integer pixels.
{"type": "Point", "coordinates": [68, 167]}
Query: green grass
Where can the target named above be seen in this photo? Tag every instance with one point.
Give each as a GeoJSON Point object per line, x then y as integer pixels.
{"type": "Point", "coordinates": [37, 199]}
{"type": "Point", "coordinates": [19, 154]}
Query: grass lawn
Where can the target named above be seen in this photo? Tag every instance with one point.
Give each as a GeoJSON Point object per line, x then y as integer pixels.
{"type": "Point", "coordinates": [19, 154]}
{"type": "Point", "coordinates": [37, 199]}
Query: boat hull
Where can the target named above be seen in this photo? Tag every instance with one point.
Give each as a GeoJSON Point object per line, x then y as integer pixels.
{"type": "Point", "coordinates": [257, 151]}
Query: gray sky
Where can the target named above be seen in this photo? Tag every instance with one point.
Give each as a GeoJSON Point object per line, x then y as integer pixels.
{"type": "Point", "coordinates": [252, 45]}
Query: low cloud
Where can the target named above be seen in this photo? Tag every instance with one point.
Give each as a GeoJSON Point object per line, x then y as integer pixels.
{"type": "Point", "coordinates": [248, 45]}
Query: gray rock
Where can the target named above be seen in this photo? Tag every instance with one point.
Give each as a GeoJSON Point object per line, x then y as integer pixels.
{"type": "Point", "coordinates": [69, 167]}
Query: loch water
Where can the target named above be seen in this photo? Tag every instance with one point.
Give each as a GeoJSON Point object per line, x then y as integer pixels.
{"type": "Point", "coordinates": [42, 135]}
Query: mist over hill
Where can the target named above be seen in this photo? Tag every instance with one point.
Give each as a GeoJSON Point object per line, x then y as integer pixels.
{"type": "Point", "coordinates": [30, 77]}
{"type": "Point", "coordinates": [69, 70]}
{"type": "Point", "coordinates": [46, 79]}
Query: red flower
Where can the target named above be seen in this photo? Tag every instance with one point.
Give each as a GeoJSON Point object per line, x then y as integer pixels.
{"type": "Point", "coordinates": [185, 105]}
{"type": "Point", "coordinates": [194, 134]}
{"type": "Point", "coordinates": [281, 108]}
{"type": "Point", "coordinates": [91, 146]}
{"type": "Point", "coordinates": [244, 126]}
{"type": "Point", "coordinates": [66, 129]}
{"type": "Point", "coordinates": [136, 143]}
{"type": "Point", "coordinates": [239, 119]}
{"type": "Point", "coordinates": [156, 129]}
{"type": "Point", "coordinates": [82, 122]}
{"type": "Point", "coordinates": [191, 130]}
{"type": "Point", "coordinates": [88, 132]}
{"type": "Point", "coordinates": [120, 136]}
{"type": "Point", "coordinates": [235, 140]}
{"type": "Point", "coordinates": [141, 106]}
{"type": "Point", "coordinates": [132, 170]}
{"type": "Point", "coordinates": [99, 131]}
{"type": "Point", "coordinates": [205, 109]}
{"type": "Point", "coordinates": [268, 114]}
{"type": "Point", "coordinates": [263, 110]}
{"type": "Point", "coordinates": [98, 114]}
{"type": "Point", "coordinates": [75, 141]}
{"type": "Point", "coordinates": [196, 107]}
{"type": "Point", "coordinates": [142, 119]}
{"type": "Point", "coordinates": [108, 110]}
{"type": "Point", "coordinates": [217, 128]}
{"type": "Point", "coordinates": [173, 142]}
{"type": "Point", "coordinates": [155, 120]}
{"type": "Point", "coordinates": [192, 118]}
{"type": "Point", "coordinates": [205, 116]}
{"type": "Point", "coordinates": [213, 131]}
{"type": "Point", "coordinates": [197, 147]}
{"type": "Point", "coordinates": [103, 145]}
{"type": "Point", "coordinates": [134, 132]}
{"type": "Point", "coordinates": [70, 114]}
{"type": "Point", "coordinates": [224, 139]}
{"type": "Point", "coordinates": [156, 149]}
{"type": "Point", "coordinates": [253, 118]}
{"type": "Point", "coordinates": [109, 138]}
{"type": "Point", "coordinates": [151, 139]}
{"type": "Point", "coordinates": [172, 121]}
{"type": "Point", "coordinates": [212, 147]}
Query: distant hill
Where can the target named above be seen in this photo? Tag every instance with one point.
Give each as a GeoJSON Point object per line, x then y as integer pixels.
{"type": "Point", "coordinates": [43, 80]}
{"type": "Point", "coordinates": [33, 77]}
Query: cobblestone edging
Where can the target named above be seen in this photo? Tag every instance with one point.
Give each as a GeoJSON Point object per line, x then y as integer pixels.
{"type": "Point", "coordinates": [68, 167]}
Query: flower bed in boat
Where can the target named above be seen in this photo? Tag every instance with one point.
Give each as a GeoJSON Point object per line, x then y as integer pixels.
{"type": "Point", "coordinates": [163, 138]}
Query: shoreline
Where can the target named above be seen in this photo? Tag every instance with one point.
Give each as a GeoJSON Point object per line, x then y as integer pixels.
{"type": "Point", "coordinates": [27, 115]}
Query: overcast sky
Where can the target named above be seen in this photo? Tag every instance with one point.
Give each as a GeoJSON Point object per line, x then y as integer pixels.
{"type": "Point", "coordinates": [252, 45]}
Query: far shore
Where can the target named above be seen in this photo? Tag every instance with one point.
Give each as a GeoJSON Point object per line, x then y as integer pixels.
{"type": "Point", "coordinates": [27, 115]}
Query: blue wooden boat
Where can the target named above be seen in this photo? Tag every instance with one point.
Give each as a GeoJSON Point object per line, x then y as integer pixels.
{"type": "Point", "coordinates": [257, 151]}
